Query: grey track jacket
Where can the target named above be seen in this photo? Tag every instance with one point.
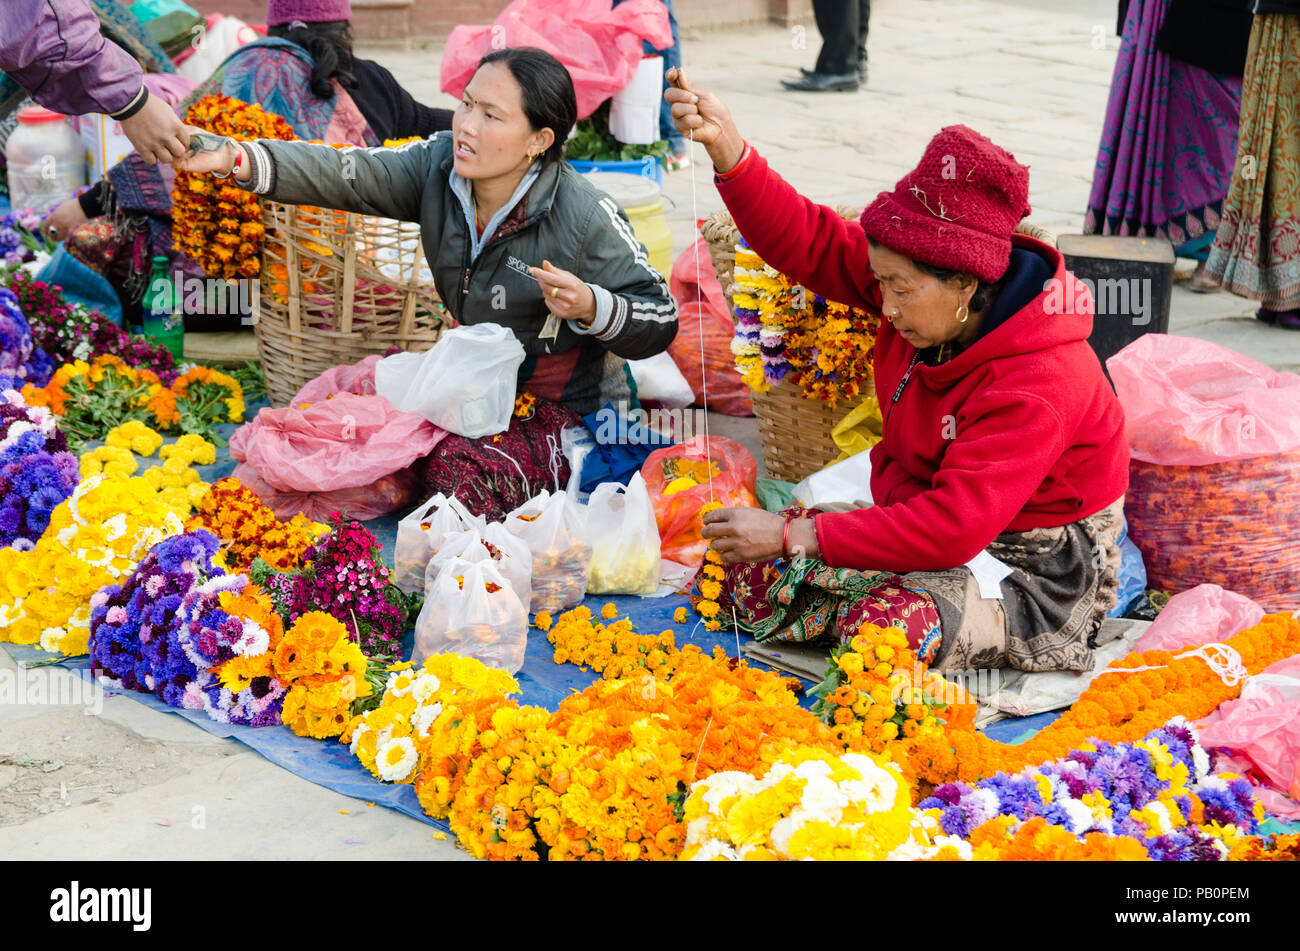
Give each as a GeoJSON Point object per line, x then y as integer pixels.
{"type": "Point", "coordinates": [566, 221]}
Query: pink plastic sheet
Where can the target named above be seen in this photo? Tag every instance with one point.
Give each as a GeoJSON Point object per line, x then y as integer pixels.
{"type": "Point", "coordinates": [1191, 402]}
{"type": "Point", "coordinates": [1204, 614]}
{"type": "Point", "coordinates": [1258, 735]}
{"type": "Point", "coordinates": [336, 447]}
{"type": "Point", "coordinates": [600, 47]}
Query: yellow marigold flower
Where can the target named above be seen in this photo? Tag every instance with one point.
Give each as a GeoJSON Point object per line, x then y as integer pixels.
{"type": "Point", "coordinates": [680, 615]}
{"type": "Point", "coordinates": [609, 611]}
{"type": "Point", "coordinates": [543, 621]}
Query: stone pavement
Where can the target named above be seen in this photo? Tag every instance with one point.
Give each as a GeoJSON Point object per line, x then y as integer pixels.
{"type": "Point", "coordinates": [1026, 73]}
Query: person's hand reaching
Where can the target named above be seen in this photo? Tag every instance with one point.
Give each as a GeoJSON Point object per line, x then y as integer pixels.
{"type": "Point", "coordinates": [220, 161]}
{"type": "Point", "coordinates": [700, 114]}
{"type": "Point", "coordinates": [567, 295]}
{"type": "Point", "coordinates": [64, 219]}
{"type": "Point", "coordinates": [156, 132]}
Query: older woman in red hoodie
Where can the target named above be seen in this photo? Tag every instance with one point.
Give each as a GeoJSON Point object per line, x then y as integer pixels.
{"type": "Point", "coordinates": [1002, 437]}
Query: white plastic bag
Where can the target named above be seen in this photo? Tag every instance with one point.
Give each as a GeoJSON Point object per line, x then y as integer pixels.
{"type": "Point", "coordinates": [471, 610]}
{"type": "Point", "coordinates": [420, 534]}
{"type": "Point", "coordinates": [510, 556]}
{"type": "Point", "coordinates": [465, 384]}
{"type": "Point", "coordinates": [658, 378]}
{"type": "Point", "coordinates": [624, 539]}
{"type": "Point", "coordinates": [634, 109]}
{"type": "Point", "coordinates": [555, 530]}
{"type": "Point", "coordinates": [848, 481]}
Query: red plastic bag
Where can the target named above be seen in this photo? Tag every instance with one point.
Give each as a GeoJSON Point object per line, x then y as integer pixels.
{"type": "Point", "coordinates": [667, 473]}
{"type": "Point", "coordinates": [1204, 614]}
{"type": "Point", "coordinates": [703, 305]}
{"type": "Point", "coordinates": [1189, 402]}
{"type": "Point", "coordinates": [350, 442]}
{"type": "Point", "coordinates": [599, 46]}
{"type": "Point", "coordinates": [1259, 734]}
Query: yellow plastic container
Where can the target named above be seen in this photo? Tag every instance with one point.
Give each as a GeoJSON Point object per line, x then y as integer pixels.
{"type": "Point", "coordinates": [642, 201]}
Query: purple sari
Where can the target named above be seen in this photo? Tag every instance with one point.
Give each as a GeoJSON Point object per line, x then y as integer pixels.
{"type": "Point", "coordinates": [1168, 144]}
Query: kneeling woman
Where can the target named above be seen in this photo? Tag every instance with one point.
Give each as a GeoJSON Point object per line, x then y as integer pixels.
{"type": "Point", "coordinates": [514, 236]}
{"type": "Point", "coordinates": [1001, 433]}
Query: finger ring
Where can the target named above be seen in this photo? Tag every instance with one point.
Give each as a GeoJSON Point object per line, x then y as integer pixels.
{"type": "Point", "coordinates": [555, 292]}
{"type": "Point", "coordinates": [52, 230]}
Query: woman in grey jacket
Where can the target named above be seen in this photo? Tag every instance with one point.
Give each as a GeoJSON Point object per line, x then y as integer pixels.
{"type": "Point", "coordinates": [514, 236]}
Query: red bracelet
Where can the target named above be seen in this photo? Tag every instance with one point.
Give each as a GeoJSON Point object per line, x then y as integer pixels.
{"type": "Point", "coordinates": [785, 537]}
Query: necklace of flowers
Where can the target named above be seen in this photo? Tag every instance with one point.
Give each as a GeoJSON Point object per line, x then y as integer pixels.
{"type": "Point", "coordinates": [1113, 708]}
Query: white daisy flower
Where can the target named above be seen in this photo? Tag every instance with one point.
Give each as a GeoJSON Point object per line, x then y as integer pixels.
{"type": "Point", "coordinates": [396, 759]}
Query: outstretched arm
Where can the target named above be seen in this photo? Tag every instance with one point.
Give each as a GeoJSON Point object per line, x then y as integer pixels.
{"type": "Point", "coordinates": [808, 242]}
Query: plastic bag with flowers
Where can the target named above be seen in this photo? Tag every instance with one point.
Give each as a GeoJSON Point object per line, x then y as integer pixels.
{"type": "Point", "coordinates": [682, 479]}
{"type": "Point", "coordinates": [491, 544]}
{"type": "Point", "coordinates": [555, 530]}
{"type": "Point", "coordinates": [420, 533]}
{"type": "Point", "coordinates": [624, 539]}
{"type": "Point", "coordinates": [471, 609]}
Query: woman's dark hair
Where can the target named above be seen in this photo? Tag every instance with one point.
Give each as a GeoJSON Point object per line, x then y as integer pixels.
{"type": "Point", "coordinates": [549, 99]}
{"type": "Point", "coordinates": [986, 292]}
{"type": "Point", "coordinates": [330, 46]}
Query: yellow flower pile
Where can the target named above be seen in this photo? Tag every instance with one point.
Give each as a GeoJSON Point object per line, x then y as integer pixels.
{"type": "Point", "coordinates": [613, 650]}
{"type": "Point", "coordinates": [192, 449]}
{"type": "Point", "coordinates": [135, 436]}
{"type": "Point", "coordinates": [95, 537]}
{"type": "Point", "coordinates": [810, 805]}
{"type": "Point", "coordinates": [114, 462]}
{"type": "Point", "coordinates": [394, 741]}
{"type": "Point", "coordinates": [324, 671]}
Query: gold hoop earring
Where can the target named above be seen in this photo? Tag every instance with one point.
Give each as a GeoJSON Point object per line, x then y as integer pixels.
{"type": "Point", "coordinates": [531, 159]}
{"type": "Point", "coordinates": [962, 313]}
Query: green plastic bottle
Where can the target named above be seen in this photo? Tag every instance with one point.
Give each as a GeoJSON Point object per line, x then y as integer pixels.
{"type": "Point", "coordinates": [164, 321]}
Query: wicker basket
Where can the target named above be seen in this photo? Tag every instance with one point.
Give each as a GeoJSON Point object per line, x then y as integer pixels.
{"type": "Point", "coordinates": [337, 287]}
{"type": "Point", "coordinates": [795, 431]}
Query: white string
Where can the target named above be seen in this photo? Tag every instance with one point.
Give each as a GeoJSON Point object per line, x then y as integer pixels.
{"type": "Point", "coordinates": [556, 455]}
{"type": "Point", "coordinates": [1224, 662]}
{"type": "Point", "coordinates": [699, 284]}
{"type": "Point", "coordinates": [527, 491]}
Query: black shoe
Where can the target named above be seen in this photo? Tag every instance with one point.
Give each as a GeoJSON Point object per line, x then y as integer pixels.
{"type": "Point", "coordinates": [823, 82]}
{"type": "Point", "coordinates": [862, 72]}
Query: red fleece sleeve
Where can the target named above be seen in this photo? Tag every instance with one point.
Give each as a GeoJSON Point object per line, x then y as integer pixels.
{"type": "Point", "coordinates": [1004, 449]}
{"type": "Point", "coordinates": [808, 242]}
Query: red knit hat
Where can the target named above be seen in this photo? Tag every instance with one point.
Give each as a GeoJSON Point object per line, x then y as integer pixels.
{"type": "Point", "coordinates": [957, 208]}
{"type": "Point", "coordinates": [280, 12]}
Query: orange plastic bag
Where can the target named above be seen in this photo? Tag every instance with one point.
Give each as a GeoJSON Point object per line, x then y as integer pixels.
{"type": "Point", "coordinates": [703, 305]}
{"type": "Point", "coordinates": [678, 480]}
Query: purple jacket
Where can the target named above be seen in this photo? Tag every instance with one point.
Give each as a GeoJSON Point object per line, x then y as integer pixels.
{"type": "Point", "coordinates": [54, 50]}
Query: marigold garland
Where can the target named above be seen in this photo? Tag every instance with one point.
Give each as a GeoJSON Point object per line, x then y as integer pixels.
{"type": "Point", "coordinates": [215, 222]}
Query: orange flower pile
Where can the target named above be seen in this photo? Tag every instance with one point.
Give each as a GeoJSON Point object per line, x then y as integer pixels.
{"type": "Point", "coordinates": [604, 776]}
{"type": "Point", "coordinates": [1036, 841]}
{"type": "Point", "coordinates": [1273, 848]}
{"type": "Point", "coordinates": [1117, 708]}
{"type": "Point", "coordinates": [613, 650]}
{"type": "Point", "coordinates": [877, 692]}
{"type": "Point", "coordinates": [217, 223]}
{"type": "Point", "coordinates": [249, 530]}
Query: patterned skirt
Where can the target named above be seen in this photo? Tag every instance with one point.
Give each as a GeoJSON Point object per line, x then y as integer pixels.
{"type": "Point", "coordinates": [1063, 581]}
{"type": "Point", "coordinates": [493, 475]}
{"type": "Point", "coordinates": [1256, 252]}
